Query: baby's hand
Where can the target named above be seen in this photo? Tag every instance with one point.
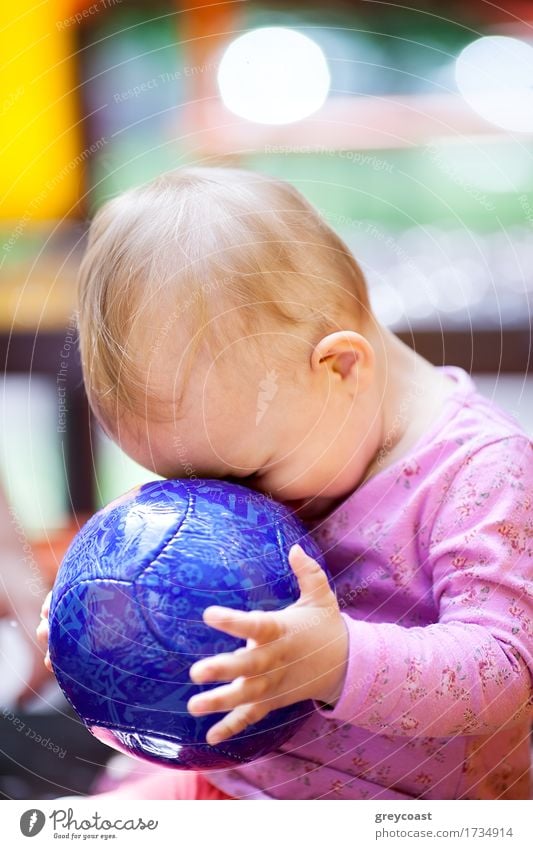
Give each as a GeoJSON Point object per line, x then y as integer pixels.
{"type": "Point", "coordinates": [42, 629]}
{"type": "Point", "coordinates": [291, 655]}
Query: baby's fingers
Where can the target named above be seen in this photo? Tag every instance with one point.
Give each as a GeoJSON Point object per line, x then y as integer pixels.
{"type": "Point", "coordinates": [256, 625]}
{"type": "Point", "coordinates": [312, 580]}
{"type": "Point", "coordinates": [234, 722]}
{"type": "Point", "coordinates": [45, 609]}
{"type": "Point", "coordinates": [229, 696]}
{"type": "Point", "coordinates": [42, 631]}
{"type": "Point", "coordinates": [230, 665]}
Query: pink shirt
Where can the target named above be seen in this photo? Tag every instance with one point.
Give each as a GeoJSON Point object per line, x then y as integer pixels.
{"type": "Point", "coordinates": [433, 566]}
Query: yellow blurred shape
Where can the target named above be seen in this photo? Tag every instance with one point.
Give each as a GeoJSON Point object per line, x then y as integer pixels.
{"type": "Point", "coordinates": [40, 166]}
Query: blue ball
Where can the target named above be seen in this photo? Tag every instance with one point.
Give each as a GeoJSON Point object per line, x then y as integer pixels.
{"type": "Point", "coordinates": [126, 614]}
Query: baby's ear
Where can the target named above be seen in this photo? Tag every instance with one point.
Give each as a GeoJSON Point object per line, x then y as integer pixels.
{"type": "Point", "coordinates": [344, 362]}
{"type": "Point", "coordinates": [341, 351]}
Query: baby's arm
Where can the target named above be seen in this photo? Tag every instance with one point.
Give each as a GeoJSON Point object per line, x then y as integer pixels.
{"type": "Point", "coordinates": [472, 671]}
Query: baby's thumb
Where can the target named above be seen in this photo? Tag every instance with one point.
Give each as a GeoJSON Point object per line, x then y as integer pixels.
{"type": "Point", "coordinates": [312, 579]}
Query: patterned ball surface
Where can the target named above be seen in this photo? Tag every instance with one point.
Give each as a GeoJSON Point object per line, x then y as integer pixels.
{"type": "Point", "coordinates": [126, 614]}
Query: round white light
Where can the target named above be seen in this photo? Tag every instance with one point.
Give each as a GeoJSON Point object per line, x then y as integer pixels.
{"type": "Point", "coordinates": [495, 76]}
{"type": "Point", "coordinates": [273, 75]}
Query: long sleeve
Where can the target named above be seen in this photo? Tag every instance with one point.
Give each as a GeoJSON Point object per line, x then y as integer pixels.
{"type": "Point", "coordinates": [471, 671]}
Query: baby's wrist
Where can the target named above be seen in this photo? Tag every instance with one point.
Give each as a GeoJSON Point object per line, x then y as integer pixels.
{"type": "Point", "coordinates": [328, 699]}
{"type": "Point", "coordinates": [333, 681]}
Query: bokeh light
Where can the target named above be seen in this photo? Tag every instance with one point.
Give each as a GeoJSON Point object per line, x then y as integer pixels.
{"type": "Point", "coordinates": [273, 75]}
{"type": "Point", "coordinates": [495, 76]}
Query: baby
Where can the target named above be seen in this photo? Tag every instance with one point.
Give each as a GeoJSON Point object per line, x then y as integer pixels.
{"type": "Point", "coordinates": [226, 331]}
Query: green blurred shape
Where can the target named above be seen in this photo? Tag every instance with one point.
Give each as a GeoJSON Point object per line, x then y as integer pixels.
{"type": "Point", "coordinates": [116, 473]}
{"type": "Point", "coordinates": [436, 183]}
{"type": "Point", "coordinates": [32, 454]}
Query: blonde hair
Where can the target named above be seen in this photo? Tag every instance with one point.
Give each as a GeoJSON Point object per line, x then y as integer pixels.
{"type": "Point", "coordinates": [215, 251]}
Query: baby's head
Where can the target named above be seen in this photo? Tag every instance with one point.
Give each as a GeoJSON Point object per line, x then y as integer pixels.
{"type": "Point", "coordinates": [223, 331]}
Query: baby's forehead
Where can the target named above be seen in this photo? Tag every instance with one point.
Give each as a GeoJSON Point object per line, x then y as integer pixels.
{"type": "Point", "coordinates": [178, 446]}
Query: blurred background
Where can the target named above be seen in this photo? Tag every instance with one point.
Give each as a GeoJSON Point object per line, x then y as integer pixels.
{"type": "Point", "coordinates": [411, 129]}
